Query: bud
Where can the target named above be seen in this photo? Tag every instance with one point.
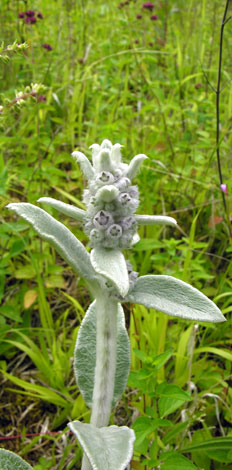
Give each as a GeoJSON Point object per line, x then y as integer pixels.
{"type": "Point", "coordinates": [105, 177]}
{"type": "Point", "coordinates": [107, 193]}
{"type": "Point", "coordinates": [102, 220]}
{"type": "Point", "coordinates": [114, 231]}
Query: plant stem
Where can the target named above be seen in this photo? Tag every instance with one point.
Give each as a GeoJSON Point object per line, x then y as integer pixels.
{"type": "Point", "coordinates": [106, 310]}
{"type": "Point", "coordinates": [218, 91]}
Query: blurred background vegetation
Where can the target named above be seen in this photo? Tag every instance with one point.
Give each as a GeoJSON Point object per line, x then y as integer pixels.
{"type": "Point", "coordinates": [142, 74]}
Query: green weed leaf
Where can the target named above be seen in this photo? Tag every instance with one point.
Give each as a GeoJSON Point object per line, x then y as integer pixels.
{"type": "Point", "coordinates": [219, 449]}
{"type": "Point", "coordinates": [173, 461]}
{"type": "Point", "coordinates": [173, 391]}
{"type": "Point", "coordinates": [172, 397]}
{"type": "Point", "coordinates": [143, 426]}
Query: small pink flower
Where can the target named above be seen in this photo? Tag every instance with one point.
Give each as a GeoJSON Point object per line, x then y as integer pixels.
{"type": "Point", "coordinates": [224, 188]}
{"type": "Point", "coordinates": [138, 16]}
{"type": "Point", "coordinates": [154, 17]}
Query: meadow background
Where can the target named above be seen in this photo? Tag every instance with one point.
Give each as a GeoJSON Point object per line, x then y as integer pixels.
{"type": "Point", "coordinates": [143, 77]}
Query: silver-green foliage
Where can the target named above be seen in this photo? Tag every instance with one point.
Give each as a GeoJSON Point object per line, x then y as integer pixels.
{"type": "Point", "coordinates": [102, 356]}
{"type": "Point", "coordinates": [108, 448]}
{"type": "Point", "coordinates": [11, 461]}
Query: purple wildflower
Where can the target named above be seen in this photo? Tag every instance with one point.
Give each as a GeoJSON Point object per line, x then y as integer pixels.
{"type": "Point", "coordinates": [41, 98]}
{"type": "Point", "coordinates": [138, 16]}
{"type": "Point", "coordinates": [224, 188]}
{"type": "Point", "coordinates": [151, 44]}
{"type": "Point", "coordinates": [198, 85]}
{"type": "Point", "coordinates": [21, 14]}
{"type": "Point", "coordinates": [39, 15]}
{"type": "Point", "coordinates": [30, 20]}
{"type": "Point", "coordinates": [148, 6]}
{"type": "Point", "coordinates": [154, 17]}
{"type": "Point", "coordinates": [47, 46]}
{"type": "Point", "coordinates": [136, 41]}
{"type": "Point", "coordinates": [30, 13]}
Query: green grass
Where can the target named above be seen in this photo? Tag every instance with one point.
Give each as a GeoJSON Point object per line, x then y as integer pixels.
{"type": "Point", "coordinates": [141, 83]}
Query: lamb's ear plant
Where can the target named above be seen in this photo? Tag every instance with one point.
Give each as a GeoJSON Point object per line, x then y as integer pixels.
{"type": "Point", "coordinates": [102, 354]}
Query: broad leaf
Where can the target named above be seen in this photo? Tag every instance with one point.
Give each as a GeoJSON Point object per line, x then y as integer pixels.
{"type": "Point", "coordinates": [174, 297]}
{"type": "Point", "coordinates": [155, 219]}
{"type": "Point", "coordinates": [112, 265]}
{"type": "Point", "coordinates": [143, 426]}
{"type": "Point", "coordinates": [69, 247]}
{"type": "Point", "coordinates": [173, 461]}
{"type": "Point", "coordinates": [67, 209]}
{"type": "Point", "coordinates": [172, 397]}
{"type": "Point", "coordinates": [85, 355]}
{"type": "Point", "coordinates": [172, 391]}
{"type": "Point", "coordinates": [108, 448]}
{"type": "Point", "coordinates": [11, 461]}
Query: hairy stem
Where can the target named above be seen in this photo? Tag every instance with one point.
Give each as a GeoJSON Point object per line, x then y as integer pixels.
{"type": "Point", "coordinates": [106, 310]}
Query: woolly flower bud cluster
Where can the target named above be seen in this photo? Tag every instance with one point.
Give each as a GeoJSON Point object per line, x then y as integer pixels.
{"type": "Point", "coordinates": [111, 200]}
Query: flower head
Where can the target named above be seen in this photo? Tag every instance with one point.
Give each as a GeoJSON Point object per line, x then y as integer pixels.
{"type": "Point", "coordinates": [30, 20]}
{"type": "Point", "coordinates": [154, 17]}
{"type": "Point", "coordinates": [111, 200]}
{"type": "Point", "coordinates": [138, 16]}
{"type": "Point", "coordinates": [224, 188]}
{"type": "Point", "coordinates": [30, 13]}
{"type": "Point", "coordinates": [41, 98]}
{"type": "Point", "coordinates": [148, 6]}
{"type": "Point", "coordinates": [47, 46]}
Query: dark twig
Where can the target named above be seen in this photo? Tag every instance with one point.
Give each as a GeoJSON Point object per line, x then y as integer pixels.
{"type": "Point", "coordinates": [206, 78]}
{"type": "Point", "coordinates": [218, 91]}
